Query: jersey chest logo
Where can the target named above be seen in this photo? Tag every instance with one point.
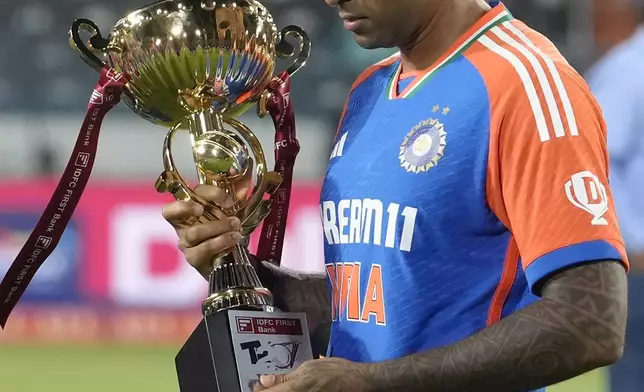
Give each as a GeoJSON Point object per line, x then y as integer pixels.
{"type": "Point", "coordinates": [423, 146]}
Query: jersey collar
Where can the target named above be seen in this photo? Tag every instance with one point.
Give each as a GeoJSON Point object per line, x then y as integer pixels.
{"type": "Point", "coordinates": [498, 14]}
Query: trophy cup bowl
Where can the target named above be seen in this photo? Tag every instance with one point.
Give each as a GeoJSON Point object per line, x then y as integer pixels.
{"type": "Point", "coordinates": [194, 66]}
{"type": "Point", "coordinates": [227, 47]}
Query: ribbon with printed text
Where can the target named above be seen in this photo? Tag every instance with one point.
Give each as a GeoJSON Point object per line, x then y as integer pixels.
{"type": "Point", "coordinates": [52, 223]}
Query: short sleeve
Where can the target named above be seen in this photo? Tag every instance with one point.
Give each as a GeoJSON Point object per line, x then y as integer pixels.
{"type": "Point", "coordinates": [552, 177]}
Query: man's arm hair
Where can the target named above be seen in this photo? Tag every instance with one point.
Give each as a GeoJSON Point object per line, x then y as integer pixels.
{"type": "Point", "coordinates": [299, 292]}
{"type": "Point", "coordinates": [577, 326]}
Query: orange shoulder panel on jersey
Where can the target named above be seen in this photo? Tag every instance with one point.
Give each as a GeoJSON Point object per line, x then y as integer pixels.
{"type": "Point", "coordinates": [361, 78]}
{"type": "Point", "coordinates": [548, 162]}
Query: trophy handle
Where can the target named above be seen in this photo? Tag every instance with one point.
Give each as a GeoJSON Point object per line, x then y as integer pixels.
{"type": "Point", "coordinates": [171, 181]}
{"type": "Point", "coordinates": [286, 49]}
{"type": "Point", "coordinates": [250, 211]}
{"type": "Point", "coordinates": [96, 42]}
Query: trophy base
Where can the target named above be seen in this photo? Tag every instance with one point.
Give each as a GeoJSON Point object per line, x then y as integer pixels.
{"type": "Point", "coordinates": [229, 350]}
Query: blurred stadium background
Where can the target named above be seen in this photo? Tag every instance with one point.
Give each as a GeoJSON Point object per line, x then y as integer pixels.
{"type": "Point", "coordinates": [115, 302]}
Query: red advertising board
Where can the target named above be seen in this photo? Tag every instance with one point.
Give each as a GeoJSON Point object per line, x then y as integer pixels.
{"type": "Point", "coordinates": [120, 254]}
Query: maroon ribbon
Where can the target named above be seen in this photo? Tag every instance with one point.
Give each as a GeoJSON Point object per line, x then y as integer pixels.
{"type": "Point", "coordinates": [49, 229]}
{"type": "Point", "coordinates": [279, 107]}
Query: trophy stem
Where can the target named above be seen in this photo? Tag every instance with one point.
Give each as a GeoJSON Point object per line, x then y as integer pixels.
{"type": "Point", "coordinates": [206, 121]}
{"type": "Point", "coordinates": [200, 123]}
{"type": "Point", "coordinates": [234, 284]}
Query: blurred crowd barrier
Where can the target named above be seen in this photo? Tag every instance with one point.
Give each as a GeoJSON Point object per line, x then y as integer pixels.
{"type": "Point", "coordinates": [117, 274]}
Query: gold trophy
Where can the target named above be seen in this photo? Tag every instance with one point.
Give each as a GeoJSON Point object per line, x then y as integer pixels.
{"type": "Point", "coordinates": [194, 66]}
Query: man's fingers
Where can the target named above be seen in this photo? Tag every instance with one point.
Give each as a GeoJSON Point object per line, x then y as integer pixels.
{"type": "Point", "coordinates": [179, 212]}
{"type": "Point", "coordinates": [258, 387]}
{"type": "Point", "coordinates": [195, 235]}
{"type": "Point", "coordinates": [272, 380]}
{"type": "Point", "coordinates": [201, 256]}
{"type": "Point", "coordinates": [269, 381]}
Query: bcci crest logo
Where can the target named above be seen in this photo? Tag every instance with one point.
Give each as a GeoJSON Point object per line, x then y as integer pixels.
{"type": "Point", "coordinates": [423, 147]}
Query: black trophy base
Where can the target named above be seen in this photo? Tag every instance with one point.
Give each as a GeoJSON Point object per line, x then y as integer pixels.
{"type": "Point", "coordinates": [229, 350]}
{"type": "Point", "coordinates": [206, 362]}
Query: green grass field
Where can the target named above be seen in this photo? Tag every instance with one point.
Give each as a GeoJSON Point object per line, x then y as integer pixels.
{"type": "Point", "coordinates": [128, 369]}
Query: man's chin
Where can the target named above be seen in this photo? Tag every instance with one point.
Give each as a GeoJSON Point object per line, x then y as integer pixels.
{"type": "Point", "coordinates": [366, 42]}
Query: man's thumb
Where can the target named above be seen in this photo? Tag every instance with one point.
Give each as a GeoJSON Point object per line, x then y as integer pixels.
{"type": "Point", "coordinates": [271, 380]}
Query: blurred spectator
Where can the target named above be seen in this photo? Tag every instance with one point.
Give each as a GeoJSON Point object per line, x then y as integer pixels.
{"type": "Point", "coordinates": [46, 162]}
{"type": "Point", "coordinates": [618, 83]}
{"type": "Point", "coordinates": [613, 22]}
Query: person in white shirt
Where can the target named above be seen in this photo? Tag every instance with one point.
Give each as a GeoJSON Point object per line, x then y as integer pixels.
{"type": "Point", "coordinates": [617, 80]}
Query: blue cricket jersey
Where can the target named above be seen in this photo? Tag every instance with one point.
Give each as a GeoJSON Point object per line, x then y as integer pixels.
{"type": "Point", "coordinates": [453, 192]}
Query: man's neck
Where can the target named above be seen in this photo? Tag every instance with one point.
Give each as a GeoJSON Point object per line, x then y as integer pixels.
{"type": "Point", "coordinates": [449, 22]}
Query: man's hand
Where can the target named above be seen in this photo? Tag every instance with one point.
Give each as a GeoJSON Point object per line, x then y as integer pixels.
{"type": "Point", "coordinates": [202, 243]}
{"type": "Point", "coordinates": [320, 375]}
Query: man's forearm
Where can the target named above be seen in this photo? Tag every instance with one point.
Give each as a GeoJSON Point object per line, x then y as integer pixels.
{"type": "Point", "coordinates": [301, 293]}
{"type": "Point", "coordinates": [569, 333]}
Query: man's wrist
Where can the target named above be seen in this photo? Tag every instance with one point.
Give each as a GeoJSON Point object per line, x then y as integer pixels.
{"type": "Point", "coordinates": [375, 377]}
